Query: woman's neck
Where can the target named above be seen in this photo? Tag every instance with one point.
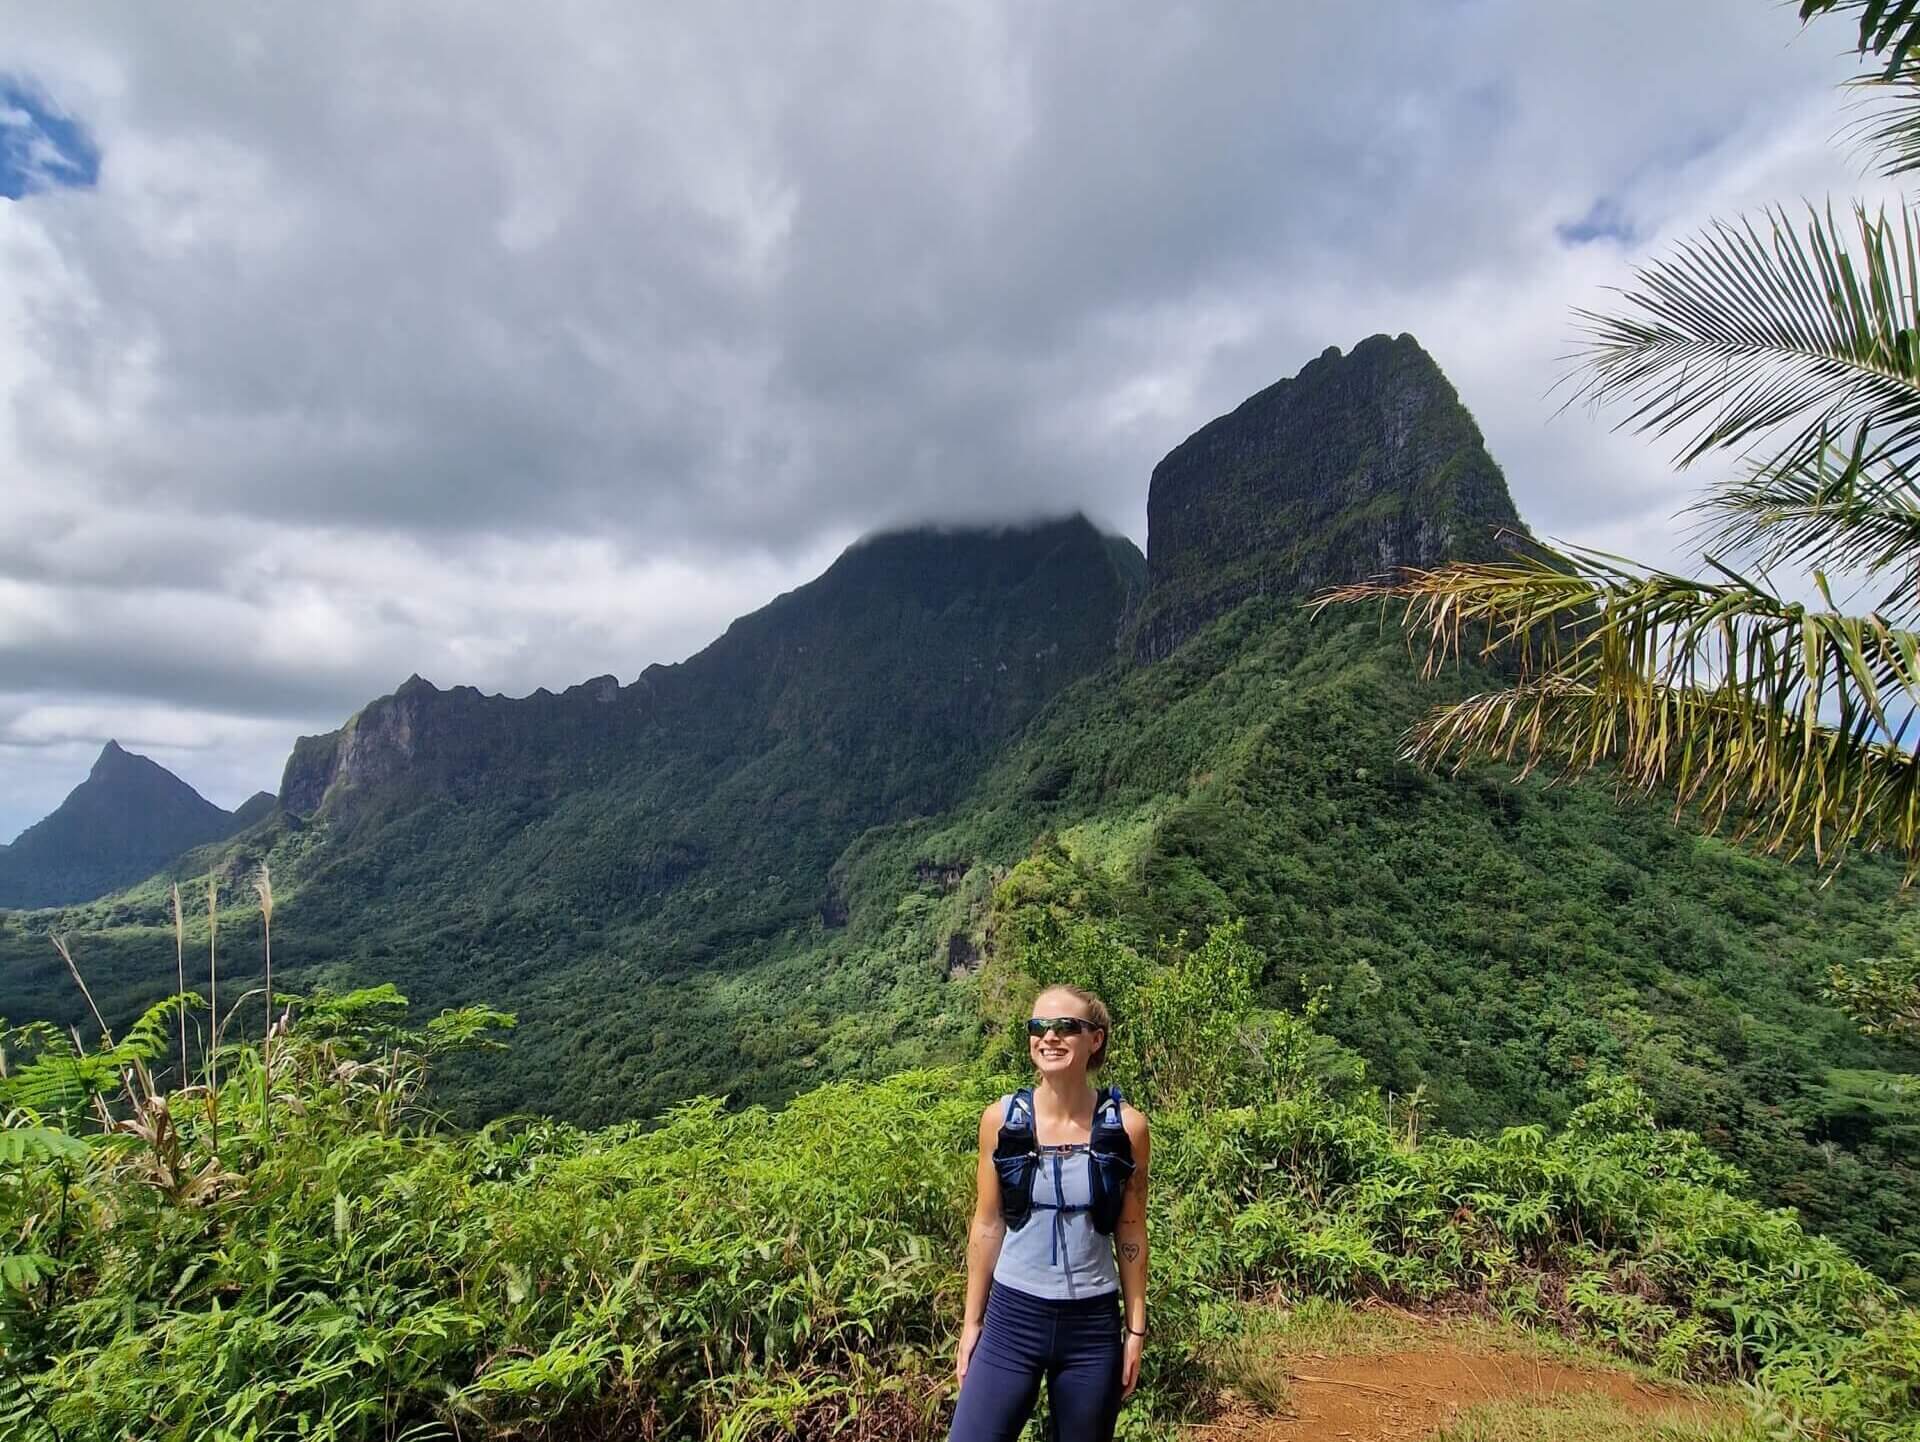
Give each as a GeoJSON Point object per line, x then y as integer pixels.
{"type": "Point", "coordinates": [1064, 1097]}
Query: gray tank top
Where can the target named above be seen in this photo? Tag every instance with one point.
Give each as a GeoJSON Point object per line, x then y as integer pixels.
{"type": "Point", "coordinates": [1058, 1254]}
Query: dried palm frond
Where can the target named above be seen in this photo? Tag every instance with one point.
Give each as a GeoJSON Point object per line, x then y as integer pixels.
{"type": "Point", "coordinates": [1787, 721]}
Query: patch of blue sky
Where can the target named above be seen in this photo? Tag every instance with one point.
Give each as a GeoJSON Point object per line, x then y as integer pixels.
{"type": "Point", "coordinates": [41, 147]}
{"type": "Point", "coordinates": [1627, 222]}
{"type": "Point", "coordinates": [1605, 220]}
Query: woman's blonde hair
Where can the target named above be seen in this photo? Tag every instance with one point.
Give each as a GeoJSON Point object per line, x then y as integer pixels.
{"type": "Point", "coordinates": [1097, 1013]}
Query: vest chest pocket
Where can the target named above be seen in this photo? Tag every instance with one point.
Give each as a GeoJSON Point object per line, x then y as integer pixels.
{"type": "Point", "coordinates": [1108, 1176]}
{"type": "Point", "coordinates": [1015, 1169]}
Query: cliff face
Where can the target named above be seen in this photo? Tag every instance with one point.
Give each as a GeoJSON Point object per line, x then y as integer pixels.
{"type": "Point", "coordinates": [423, 738]}
{"type": "Point", "coordinates": [129, 818]}
{"type": "Point", "coordinates": [1360, 464]}
{"type": "Point", "coordinates": [912, 649]}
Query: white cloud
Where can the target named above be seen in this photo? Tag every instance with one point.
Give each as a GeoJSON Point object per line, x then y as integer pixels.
{"type": "Point", "coordinates": [517, 345]}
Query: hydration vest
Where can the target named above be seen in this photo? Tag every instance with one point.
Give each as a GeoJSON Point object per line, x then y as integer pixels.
{"type": "Point", "coordinates": [1016, 1157]}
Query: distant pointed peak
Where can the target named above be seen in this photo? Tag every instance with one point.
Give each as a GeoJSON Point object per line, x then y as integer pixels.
{"type": "Point", "coordinates": [114, 758]}
{"type": "Point", "coordinates": [126, 820]}
{"type": "Point", "coordinates": [254, 809]}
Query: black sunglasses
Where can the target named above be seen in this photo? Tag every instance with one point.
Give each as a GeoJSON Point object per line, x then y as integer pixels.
{"type": "Point", "coordinates": [1064, 1025]}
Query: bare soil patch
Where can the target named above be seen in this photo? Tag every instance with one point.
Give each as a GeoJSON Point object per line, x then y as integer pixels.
{"type": "Point", "coordinates": [1395, 1396]}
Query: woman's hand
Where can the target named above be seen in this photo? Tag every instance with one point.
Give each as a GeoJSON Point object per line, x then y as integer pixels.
{"type": "Point", "coordinates": [963, 1354]}
{"type": "Point", "coordinates": [1130, 1365]}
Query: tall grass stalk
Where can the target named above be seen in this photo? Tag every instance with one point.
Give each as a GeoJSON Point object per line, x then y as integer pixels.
{"type": "Point", "coordinates": [106, 1032]}
{"type": "Point", "coordinates": [60, 945]}
{"type": "Point", "coordinates": [213, 1007]}
{"type": "Point", "coordinates": [263, 888]}
{"type": "Point", "coordinates": [180, 976]}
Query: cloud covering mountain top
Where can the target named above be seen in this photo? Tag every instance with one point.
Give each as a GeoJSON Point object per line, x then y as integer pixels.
{"type": "Point", "coordinates": [518, 345]}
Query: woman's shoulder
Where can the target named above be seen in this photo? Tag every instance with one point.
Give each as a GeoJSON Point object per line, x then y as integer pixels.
{"type": "Point", "coordinates": [1133, 1119]}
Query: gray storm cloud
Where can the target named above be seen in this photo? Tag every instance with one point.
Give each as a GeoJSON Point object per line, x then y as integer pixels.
{"type": "Point", "coordinates": [514, 345]}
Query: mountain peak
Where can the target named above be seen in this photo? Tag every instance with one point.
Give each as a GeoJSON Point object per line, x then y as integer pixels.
{"type": "Point", "coordinates": [129, 818]}
{"type": "Point", "coordinates": [1361, 463]}
{"type": "Point", "coordinates": [117, 766]}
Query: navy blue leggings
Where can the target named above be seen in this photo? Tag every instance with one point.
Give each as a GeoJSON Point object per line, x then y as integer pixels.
{"type": "Point", "coordinates": [1074, 1345]}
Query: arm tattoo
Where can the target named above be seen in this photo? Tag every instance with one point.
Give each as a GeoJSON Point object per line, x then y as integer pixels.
{"type": "Point", "coordinates": [1130, 1250]}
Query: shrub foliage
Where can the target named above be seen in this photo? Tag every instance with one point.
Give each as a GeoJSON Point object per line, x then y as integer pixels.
{"type": "Point", "coordinates": [310, 1252]}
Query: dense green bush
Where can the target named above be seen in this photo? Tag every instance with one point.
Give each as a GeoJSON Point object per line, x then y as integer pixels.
{"type": "Point", "coordinates": [343, 1266]}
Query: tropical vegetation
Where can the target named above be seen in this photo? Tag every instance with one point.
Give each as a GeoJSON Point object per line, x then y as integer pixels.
{"type": "Point", "coordinates": [1460, 1041]}
{"type": "Point", "coordinates": [1483, 945]}
{"type": "Point", "coordinates": [304, 1251]}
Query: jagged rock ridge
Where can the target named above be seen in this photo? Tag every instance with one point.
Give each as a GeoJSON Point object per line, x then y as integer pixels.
{"type": "Point", "coordinates": [1359, 464]}
{"type": "Point", "coordinates": [912, 644]}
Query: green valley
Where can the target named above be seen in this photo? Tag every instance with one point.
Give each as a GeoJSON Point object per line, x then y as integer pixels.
{"type": "Point", "coordinates": [811, 851]}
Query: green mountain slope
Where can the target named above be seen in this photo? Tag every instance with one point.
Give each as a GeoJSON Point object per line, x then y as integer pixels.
{"type": "Point", "coordinates": [1483, 945]}
{"type": "Point", "coordinates": [130, 817]}
{"type": "Point", "coordinates": [455, 840]}
{"type": "Point", "coordinates": [814, 849]}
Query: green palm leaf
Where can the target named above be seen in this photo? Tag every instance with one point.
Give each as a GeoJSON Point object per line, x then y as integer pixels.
{"type": "Point", "coordinates": [1887, 27]}
{"type": "Point", "coordinates": [1799, 346]}
{"type": "Point", "coordinates": [1741, 339]}
{"type": "Point", "coordinates": [1890, 128]}
{"type": "Point", "coordinates": [1847, 512]}
{"type": "Point", "coordinates": [1785, 721]}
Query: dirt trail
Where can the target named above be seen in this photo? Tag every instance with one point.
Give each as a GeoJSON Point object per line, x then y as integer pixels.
{"type": "Point", "coordinates": [1398, 1396]}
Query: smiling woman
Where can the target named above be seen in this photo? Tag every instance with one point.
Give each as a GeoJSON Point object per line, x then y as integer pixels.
{"type": "Point", "coordinates": [40, 147]}
{"type": "Point", "coordinates": [1059, 1231]}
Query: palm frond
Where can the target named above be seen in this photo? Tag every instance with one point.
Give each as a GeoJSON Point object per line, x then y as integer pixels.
{"type": "Point", "coordinates": [1788, 788]}
{"type": "Point", "coordinates": [1739, 339]}
{"type": "Point", "coordinates": [1889, 129]}
{"type": "Point", "coordinates": [1847, 512]}
{"type": "Point", "coordinates": [1786, 722]}
{"type": "Point", "coordinates": [1889, 28]}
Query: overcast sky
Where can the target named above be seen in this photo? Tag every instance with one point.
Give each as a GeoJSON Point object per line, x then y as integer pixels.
{"type": "Point", "coordinates": [516, 344]}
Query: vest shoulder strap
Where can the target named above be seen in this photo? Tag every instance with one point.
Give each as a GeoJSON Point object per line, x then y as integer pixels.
{"type": "Point", "coordinates": [1019, 1114]}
